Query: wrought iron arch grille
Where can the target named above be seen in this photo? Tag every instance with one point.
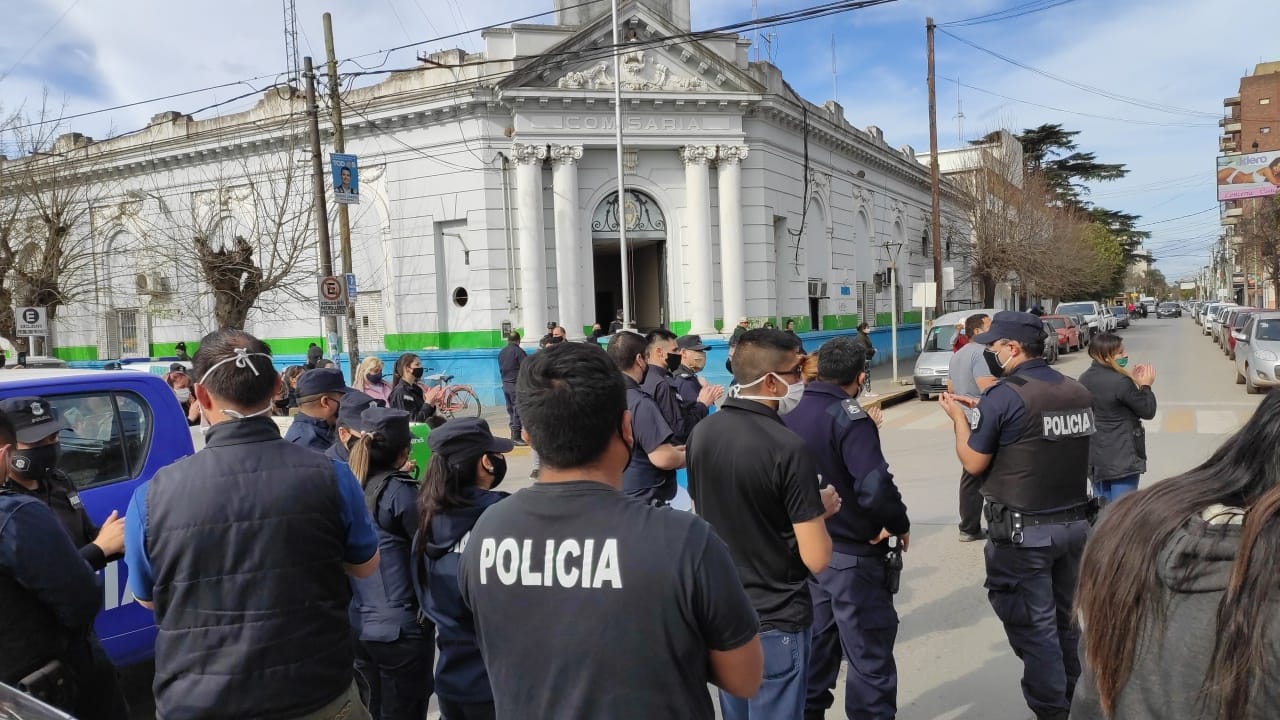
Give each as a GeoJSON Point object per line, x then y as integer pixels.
{"type": "Point", "coordinates": [639, 214]}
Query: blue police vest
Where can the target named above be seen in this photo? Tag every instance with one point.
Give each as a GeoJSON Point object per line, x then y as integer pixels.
{"type": "Point", "coordinates": [385, 606]}
{"type": "Point", "coordinates": [246, 541]}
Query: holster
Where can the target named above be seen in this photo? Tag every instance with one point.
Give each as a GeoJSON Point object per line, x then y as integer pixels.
{"type": "Point", "coordinates": [1004, 525]}
{"type": "Point", "coordinates": [1096, 504]}
{"type": "Point", "coordinates": [53, 683]}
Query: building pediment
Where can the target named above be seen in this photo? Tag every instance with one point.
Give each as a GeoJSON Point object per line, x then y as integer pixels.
{"type": "Point", "coordinates": [659, 58]}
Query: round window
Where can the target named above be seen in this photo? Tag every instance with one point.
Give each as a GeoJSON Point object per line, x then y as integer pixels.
{"type": "Point", "coordinates": [460, 297]}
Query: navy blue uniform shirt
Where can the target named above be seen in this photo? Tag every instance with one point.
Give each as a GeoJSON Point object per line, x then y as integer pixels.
{"type": "Point", "coordinates": [846, 447]}
{"type": "Point", "coordinates": [1001, 416]}
{"type": "Point", "coordinates": [311, 433]}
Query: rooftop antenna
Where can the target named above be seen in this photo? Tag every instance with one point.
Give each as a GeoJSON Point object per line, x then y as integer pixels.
{"type": "Point", "coordinates": [959, 118]}
{"type": "Point", "coordinates": [835, 76]}
{"type": "Point", "coordinates": [292, 64]}
{"type": "Point", "coordinates": [755, 15]}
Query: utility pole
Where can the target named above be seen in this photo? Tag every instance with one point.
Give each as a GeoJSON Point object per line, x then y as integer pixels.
{"type": "Point", "coordinates": [344, 220]}
{"type": "Point", "coordinates": [935, 192]}
{"type": "Point", "coordinates": [317, 185]}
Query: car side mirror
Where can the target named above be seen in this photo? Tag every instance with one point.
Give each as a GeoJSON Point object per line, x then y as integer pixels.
{"type": "Point", "coordinates": [1238, 335]}
{"type": "Point", "coordinates": [917, 348]}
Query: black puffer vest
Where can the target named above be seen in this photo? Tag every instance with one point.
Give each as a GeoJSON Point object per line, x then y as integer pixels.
{"type": "Point", "coordinates": [246, 541]}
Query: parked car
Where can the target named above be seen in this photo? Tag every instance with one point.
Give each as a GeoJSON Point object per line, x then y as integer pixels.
{"type": "Point", "coordinates": [1228, 322]}
{"type": "Point", "coordinates": [1085, 336]}
{"type": "Point", "coordinates": [1215, 321]}
{"type": "Point", "coordinates": [1121, 315]}
{"type": "Point", "coordinates": [1050, 354]}
{"type": "Point", "coordinates": [1169, 310]}
{"type": "Point", "coordinates": [124, 427]}
{"type": "Point", "coordinates": [1258, 352]}
{"type": "Point", "coordinates": [1237, 323]}
{"type": "Point", "coordinates": [1097, 320]}
{"type": "Point", "coordinates": [1067, 332]}
{"type": "Point", "coordinates": [1206, 316]}
{"type": "Point", "coordinates": [930, 375]}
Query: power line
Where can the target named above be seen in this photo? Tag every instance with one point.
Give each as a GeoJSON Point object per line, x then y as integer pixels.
{"type": "Point", "coordinates": [1130, 121]}
{"type": "Point", "coordinates": [1180, 217]}
{"type": "Point", "coordinates": [1008, 13]}
{"type": "Point", "coordinates": [39, 40]}
{"type": "Point", "coordinates": [1129, 100]}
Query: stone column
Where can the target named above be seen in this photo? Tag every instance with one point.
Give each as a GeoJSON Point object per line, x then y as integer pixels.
{"type": "Point", "coordinates": [564, 181]}
{"type": "Point", "coordinates": [733, 260]}
{"type": "Point", "coordinates": [533, 246]}
{"type": "Point", "coordinates": [697, 188]}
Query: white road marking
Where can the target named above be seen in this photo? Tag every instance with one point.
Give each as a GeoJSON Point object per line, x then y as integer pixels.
{"type": "Point", "coordinates": [1217, 422]}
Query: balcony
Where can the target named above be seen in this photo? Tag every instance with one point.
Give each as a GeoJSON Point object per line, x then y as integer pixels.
{"type": "Point", "coordinates": [1230, 125]}
{"type": "Point", "coordinates": [1230, 221]}
{"type": "Point", "coordinates": [1234, 212]}
{"type": "Point", "coordinates": [1233, 101]}
{"type": "Point", "coordinates": [1228, 143]}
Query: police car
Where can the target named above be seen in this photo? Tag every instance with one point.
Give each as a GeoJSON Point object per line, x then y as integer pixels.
{"type": "Point", "coordinates": [124, 427]}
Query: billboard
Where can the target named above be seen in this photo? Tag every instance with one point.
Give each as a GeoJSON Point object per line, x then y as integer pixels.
{"type": "Point", "coordinates": [1250, 175]}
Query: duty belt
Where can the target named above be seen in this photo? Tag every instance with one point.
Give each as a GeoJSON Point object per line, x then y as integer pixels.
{"type": "Point", "coordinates": [1081, 512]}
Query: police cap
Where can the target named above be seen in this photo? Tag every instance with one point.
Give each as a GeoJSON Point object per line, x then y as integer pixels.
{"type": "Point", "coordinates": [1020, 327]}
{"type": "Point", "coordinates": [33, 418]}
{"type": "Point", "coordinates": [466, 437]}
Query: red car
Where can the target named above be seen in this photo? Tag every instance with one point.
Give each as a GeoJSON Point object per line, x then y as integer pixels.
{"type": "Point", "coordinates": [1237, 323]}
{"type": "Point", "coordinates": [1068, 331]}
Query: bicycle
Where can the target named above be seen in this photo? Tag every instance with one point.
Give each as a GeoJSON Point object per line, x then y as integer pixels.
{"type": "Point", "coordinates": [452, 400]}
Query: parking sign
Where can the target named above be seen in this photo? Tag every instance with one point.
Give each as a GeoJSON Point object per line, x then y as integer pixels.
{"type": "Point", "coordinates": [32, 321]}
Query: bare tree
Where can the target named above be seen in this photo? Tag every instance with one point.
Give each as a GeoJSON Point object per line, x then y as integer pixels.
{"type": "Point", "coordinates": [249, 230]}
{"type": "Point", "coordinates": [1259, 234]}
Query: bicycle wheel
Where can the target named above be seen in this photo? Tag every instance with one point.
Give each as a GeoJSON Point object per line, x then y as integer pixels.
{"type": "Point", "coordinates": [460, 402]}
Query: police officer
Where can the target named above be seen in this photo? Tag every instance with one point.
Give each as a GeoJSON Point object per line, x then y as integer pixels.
{"type": "Point", "coordinates": [696, 396]}
{"type": "Point", "coordinates": [349, 409]}
{"type": "Point", "coordinates": [50, 597]}
{"type": "Point", "coordinates": [651, 476]}
{"type": "Point", "coordinates": [852, 598]}
{"type": "Point", "coordinates": [319, 392]}
{"type": "Point", "coordinates": [1030, 436]}
{"type": "Point", "coordinates": [396, 643]}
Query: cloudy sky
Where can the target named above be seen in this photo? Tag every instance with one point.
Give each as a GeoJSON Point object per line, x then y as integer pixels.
{"type": "Point", "coordinates": [1155, 72]}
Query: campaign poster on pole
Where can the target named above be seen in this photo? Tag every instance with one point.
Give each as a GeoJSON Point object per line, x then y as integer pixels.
{"type": "Point", "coordinates": [346, 178]}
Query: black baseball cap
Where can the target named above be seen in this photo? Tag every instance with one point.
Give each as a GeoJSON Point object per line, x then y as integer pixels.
{"type": "Point", "coordinates": [466, 437]}
{"type": "Point", "coordinates": [388, 422]}
{"type": "Point", "coordinates": [1020, 327]}
{"type": "Point", "coordinates": [177, 367]}
{"type": "Point", "coordinates": [33, 418]}
{"type": "Point", "coordinates": [691, 342]}
{"type": "Point", "coordinates": [322, 380]}
{"type": "Point", "coordinates": [351, 406]}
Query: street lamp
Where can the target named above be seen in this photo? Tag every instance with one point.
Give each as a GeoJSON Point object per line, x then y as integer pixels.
{"type": "Point", "coordinates": [893, 303]}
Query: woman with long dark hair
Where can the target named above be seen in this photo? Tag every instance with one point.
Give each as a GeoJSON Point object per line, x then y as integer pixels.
{"type": "Point", "coordinates": [407, 392]}
{"type": "Point", "coordinates": [466, 464]}
{"type": "Point", "coordinates": [1178, 590]}
{"type": "Point", "coordinates": [1122, 399]}
{"type": "Point", "coordinates": [394, 648]}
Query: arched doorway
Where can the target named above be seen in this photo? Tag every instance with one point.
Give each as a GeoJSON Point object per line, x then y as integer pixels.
{"type": "Point", "coordinates": [646, 230]}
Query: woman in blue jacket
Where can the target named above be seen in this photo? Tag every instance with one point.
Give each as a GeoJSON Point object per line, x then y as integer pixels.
{"type": "Point", "coordinates": [394, 649]}
{"type": "Point", "coordinates": [466, 464]}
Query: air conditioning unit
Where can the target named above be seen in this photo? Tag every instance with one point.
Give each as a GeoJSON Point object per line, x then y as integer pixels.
{"type": "Point", "coordinates": [817, 288]}
{"type": "Point", "coordinates": [153, 284]}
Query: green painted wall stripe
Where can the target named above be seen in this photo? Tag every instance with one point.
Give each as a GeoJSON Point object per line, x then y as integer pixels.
{"type": "Point", "coordinates": [413, 342]}
{"type": "Point", "coordinates": [76, 352]}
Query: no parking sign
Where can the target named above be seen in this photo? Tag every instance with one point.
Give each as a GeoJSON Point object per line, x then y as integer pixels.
{"type": "Point", "coordinates": [32, 321]}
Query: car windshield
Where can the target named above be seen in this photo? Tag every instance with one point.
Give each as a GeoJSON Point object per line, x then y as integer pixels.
{"type": "Point", "coordinates": [1267, 329]}
{"type": "Point", "coordinates": [1057, 323]}
{"type": "Point", "coordinates": [1169, 306]}
{"type": "Point", "coordinates": [1073, 308]}
{"type": "Point", "coordinates": [940, 339]}
{"type": "Point", "coordinates": [1240, 320]}
{"type": "Point", "coordinates": [1118, 311]}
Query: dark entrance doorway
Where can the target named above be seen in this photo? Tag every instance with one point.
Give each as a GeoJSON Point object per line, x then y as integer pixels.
{"type": "Point", "coordinates": [646, 254]}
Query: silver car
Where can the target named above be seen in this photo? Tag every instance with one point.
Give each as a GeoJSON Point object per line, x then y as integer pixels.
{"type": "Point", "coordinates": [1258, 352]}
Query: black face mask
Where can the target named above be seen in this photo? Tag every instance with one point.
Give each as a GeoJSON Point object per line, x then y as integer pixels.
{"type": "Point", "coordinates": [993, 363]}
{"type": "Point", "coordinates": [36, 462]}
{"type": "Point", "coordinates": [673, 361]}
{"type": "Point", "coordinates": [499, 471]}
{"type": "Point", "coordinates": [417, 373]}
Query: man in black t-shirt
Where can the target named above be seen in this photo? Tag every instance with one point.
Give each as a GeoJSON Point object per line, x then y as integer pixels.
{"type": "Point", "coordinates": [756, 483]}
{"type": "Point", "coordinates": [547, 571]}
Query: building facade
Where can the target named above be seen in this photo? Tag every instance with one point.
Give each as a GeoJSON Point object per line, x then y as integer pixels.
{"type": "Point", "coordinates": [488, 200]}
{"type": "Point", "coordinates": [1251, 124]}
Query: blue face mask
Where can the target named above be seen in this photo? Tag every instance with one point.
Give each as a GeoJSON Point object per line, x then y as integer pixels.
{"type": "Point", "coordinates": [1122, 361]}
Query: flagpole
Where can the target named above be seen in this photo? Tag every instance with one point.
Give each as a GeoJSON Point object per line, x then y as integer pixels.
{"type": "Point", "coordinates": [622, 215]}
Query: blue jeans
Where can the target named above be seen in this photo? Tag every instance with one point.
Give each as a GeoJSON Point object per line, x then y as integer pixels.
{"type": "Point", "coordinates": [781, 695]}
{"type": "Point", "coordinates": [1113, 490]}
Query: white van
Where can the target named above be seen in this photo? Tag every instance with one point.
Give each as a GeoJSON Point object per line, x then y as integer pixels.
{"type": "Point", "coordinates": [930, 375]}
{"type": "Point", "coordinates": [1097, 320]}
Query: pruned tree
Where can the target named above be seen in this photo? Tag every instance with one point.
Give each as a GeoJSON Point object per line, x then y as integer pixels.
{"type": "Point", "coordinates": [249, 227]}
{"type": "Point", "coordinates": [1259, 238]}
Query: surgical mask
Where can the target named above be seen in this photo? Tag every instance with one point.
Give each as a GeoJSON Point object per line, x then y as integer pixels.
{"type": "Point", "coordinates": [240, 358]}
{"type": "Point", "coordinates": [417, 373]}
{"type": "Point", "coordinates": [1122, 361]}
{"type": "Point", "coordinates": [184, 394]}
{"type": "Point", "coordinates": [631, 449]}
{"type": "Point", "coordinates": [786, 403]}
{"type": "Point", "coordinates": [499, 470]}
{"type": "Point", "coordinates": [36, 462]}
{"type": "Point", "coordinates": [673, 361]}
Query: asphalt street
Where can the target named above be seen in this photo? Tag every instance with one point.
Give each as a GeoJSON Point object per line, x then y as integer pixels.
{"type": "Point", "coordinates": [953, 660]}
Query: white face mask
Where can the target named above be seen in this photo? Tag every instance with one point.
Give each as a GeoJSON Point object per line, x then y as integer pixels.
{"type": "Point", "coordinates": [184, 394]}
{"type": "Point", "coordinates": [786, 403]}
